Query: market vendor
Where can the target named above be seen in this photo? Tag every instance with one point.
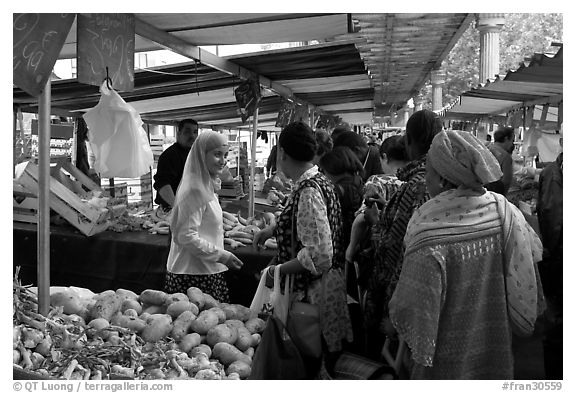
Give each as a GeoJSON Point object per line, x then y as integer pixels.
{"type": "Point", "coordinates": [171, 163]}
{"type": "Point", "coordinates": [197, 256]}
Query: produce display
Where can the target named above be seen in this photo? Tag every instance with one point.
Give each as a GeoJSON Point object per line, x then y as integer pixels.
{"type": "Point", "coordinates": [120, 334]}
{"type": "Point", "coordinates": [155, 221]}
{"type": "Point", "coordinates": [239, 231]}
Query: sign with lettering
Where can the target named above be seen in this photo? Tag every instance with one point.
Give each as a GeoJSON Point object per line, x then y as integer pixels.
{"type": "Point", "coordinates": [37, 42]}
{"type": "Point", "coordinates": [106, 40]}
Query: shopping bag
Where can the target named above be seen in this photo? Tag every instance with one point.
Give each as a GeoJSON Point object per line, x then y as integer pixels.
{"type": "Point", "coordinates": [277, 357]}
{"type": "Point", "coordinates": [261, 301]}
{"type": "Point", "coordinates": [303, 325]}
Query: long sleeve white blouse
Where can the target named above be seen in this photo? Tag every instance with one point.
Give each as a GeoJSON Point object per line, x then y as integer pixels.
{"type": "Point", "coordinates": [198, 247]}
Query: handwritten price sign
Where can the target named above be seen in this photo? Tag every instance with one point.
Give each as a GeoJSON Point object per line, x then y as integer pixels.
{"type": "Point", "coordinates": [106, 40]}
{"type": "Point", "coordinates": [37, 42]}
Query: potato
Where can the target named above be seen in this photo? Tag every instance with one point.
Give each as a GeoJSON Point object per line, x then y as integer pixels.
{"type": "Point", "coordinates": [178, 307]}
{"type": "Point", "coordinates": [157, 327]}
{"type": "Point", "coordinates": [228, 353]}
{"type": "Point", "coordinates": [115, 320]}
{"type": "Point", "coordinates": [255, 325]}
{"type": "Point", "coordinates": [234, 322]}
{"type": "Point", "coordinates": [96, 328]}
{"type": "Point", "coordinates": [189, 342]}
{"type": "Point", "coordinates": [256, 338]}
{"type": "Point", "coordinates": [144, 316]}
{"type": "Point", "coordinates": [106, 306]}
{"type": "Point", "coordinates": [243, 312]}
{"type": "Point", "coordinates": [153, 296]}
{"type": "Point", "coordinates": [229, 310]}
{"type": "Point", "coordinates": [181, 325]}
{"type": "Point", "coordinates": [210, 302]}
{"type": "Point", "coordinates": [244, 340]}
{"type": "Point", "coordinates": [133, 323]}
{"type": "Point", "coordinates": [196, 296]}
{"type": "Point", "coordinates": [175, 297]}
{"type": "Point", "coordinates": [220, 313]}
{"type": "Point", "coordinates": [153, 309]}
{"type": "Point", "coordinates": [126, 294]}
{"type": "Point", "coordinates": [130, 312]}
{"type": "Point", "coordinates": [69, 301]}
{"type": "Point", "coordinates": [104, 294]}
{"type": "Point", "coordinates": [131, 304]}
{"type": "Point", "coordinates": [249, 352]}
{"type": "Point", "coordinates": [205, 321]}
{"type": "Point", "coordinates": [221, 333]}
{"type": "Point", "coordinates": [114, 338]}
{"type": "Point", "coordinates": [239, 367]}
{"type": "Point", "coordinates": [202, 348]}
{"type": "Point", "coordinates": [236, 311]}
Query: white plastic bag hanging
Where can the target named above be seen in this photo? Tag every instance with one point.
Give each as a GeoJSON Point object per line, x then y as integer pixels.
{"type": "Point", "coordinates": [119, 142]}
{"type": "Point", "coordinates": [261, 301]}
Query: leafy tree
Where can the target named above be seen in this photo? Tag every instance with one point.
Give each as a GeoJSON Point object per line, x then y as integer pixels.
{"type": "Point", "coordinates": [521, 36]}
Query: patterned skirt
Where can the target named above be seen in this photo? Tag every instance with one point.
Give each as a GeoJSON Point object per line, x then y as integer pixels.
{"type": "Point", "coordinates": [212, 284]}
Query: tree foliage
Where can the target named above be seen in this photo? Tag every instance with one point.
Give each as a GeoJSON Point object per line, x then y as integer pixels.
{"type": "Point", "coordinates": [521, 36]}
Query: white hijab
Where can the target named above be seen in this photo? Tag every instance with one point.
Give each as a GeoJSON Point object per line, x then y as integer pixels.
{"type": "Point", "coordinates": [197, 187]}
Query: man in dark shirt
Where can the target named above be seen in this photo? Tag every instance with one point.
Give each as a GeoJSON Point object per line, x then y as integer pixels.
{"type": "Point", "coordinates": [502, 149]}
{"type": "Point", "coordinates": [171, 163]}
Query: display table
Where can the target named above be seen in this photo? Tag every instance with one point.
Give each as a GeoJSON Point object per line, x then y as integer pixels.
{"type": "Point", "coordinates": [111, 260]}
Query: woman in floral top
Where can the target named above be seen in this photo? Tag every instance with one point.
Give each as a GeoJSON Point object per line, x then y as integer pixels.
{"type": "Point", "coordinates": [308, 233]}
{"type": "Point", "coordinates": [421, 128]}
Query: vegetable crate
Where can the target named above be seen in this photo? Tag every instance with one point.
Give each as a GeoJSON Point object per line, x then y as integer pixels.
{"type": "Point", "coordinates": [86, 218]}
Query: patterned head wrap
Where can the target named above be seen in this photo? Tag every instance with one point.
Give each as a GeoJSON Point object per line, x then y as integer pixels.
{"type": "Point", "coordinates": [462, 159]}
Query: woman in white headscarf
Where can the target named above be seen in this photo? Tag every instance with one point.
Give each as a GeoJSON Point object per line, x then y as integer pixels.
{"type": "Point", "coordinates": [468, 280]}
{"type": "Point", "coordinates": [197, 256]}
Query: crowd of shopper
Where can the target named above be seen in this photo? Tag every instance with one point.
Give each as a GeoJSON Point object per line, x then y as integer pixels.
{"type": "Point", "coordinates": [442, 264]}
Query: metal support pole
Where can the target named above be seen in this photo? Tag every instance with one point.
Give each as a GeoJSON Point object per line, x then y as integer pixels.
{"type": "Point", "coordinates": [43, 231]}
{"type": "Point", "coordinates": [253, 163]}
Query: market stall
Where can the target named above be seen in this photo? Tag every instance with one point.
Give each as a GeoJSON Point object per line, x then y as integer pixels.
{"type": "Point", "coordinates": [129, 260]}
{"type": "Point", "coordinates": [55, 339]}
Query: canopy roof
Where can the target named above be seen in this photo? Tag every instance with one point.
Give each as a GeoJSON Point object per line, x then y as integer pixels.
{"type": "Point", "coordinates": [538, 81]}
{"type": "Point", "coordinates": [372, 64]}
{"type": "Point", "coordinates": [329, 76]}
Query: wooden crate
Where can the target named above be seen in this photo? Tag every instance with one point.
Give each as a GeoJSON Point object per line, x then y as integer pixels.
{"type": "Point", "coordinates": [86, 218]}
{"type": "Point", "coordinates": [25, 204]}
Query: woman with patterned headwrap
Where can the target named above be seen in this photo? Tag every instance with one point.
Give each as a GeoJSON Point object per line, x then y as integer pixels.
{"type": "Point", "coordinates": [197, 256]}
{"type": "Point", "coordinates": [468, 280]}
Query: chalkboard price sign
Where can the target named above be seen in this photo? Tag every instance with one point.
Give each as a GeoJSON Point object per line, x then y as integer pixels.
{"type": "Point", "coordinates": [106, 40]}
{"type": "Point", "coordinates": [37, 41]}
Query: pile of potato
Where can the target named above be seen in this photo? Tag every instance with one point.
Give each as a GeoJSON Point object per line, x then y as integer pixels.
{"type": "Point", "coordinates": [187, 335]}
